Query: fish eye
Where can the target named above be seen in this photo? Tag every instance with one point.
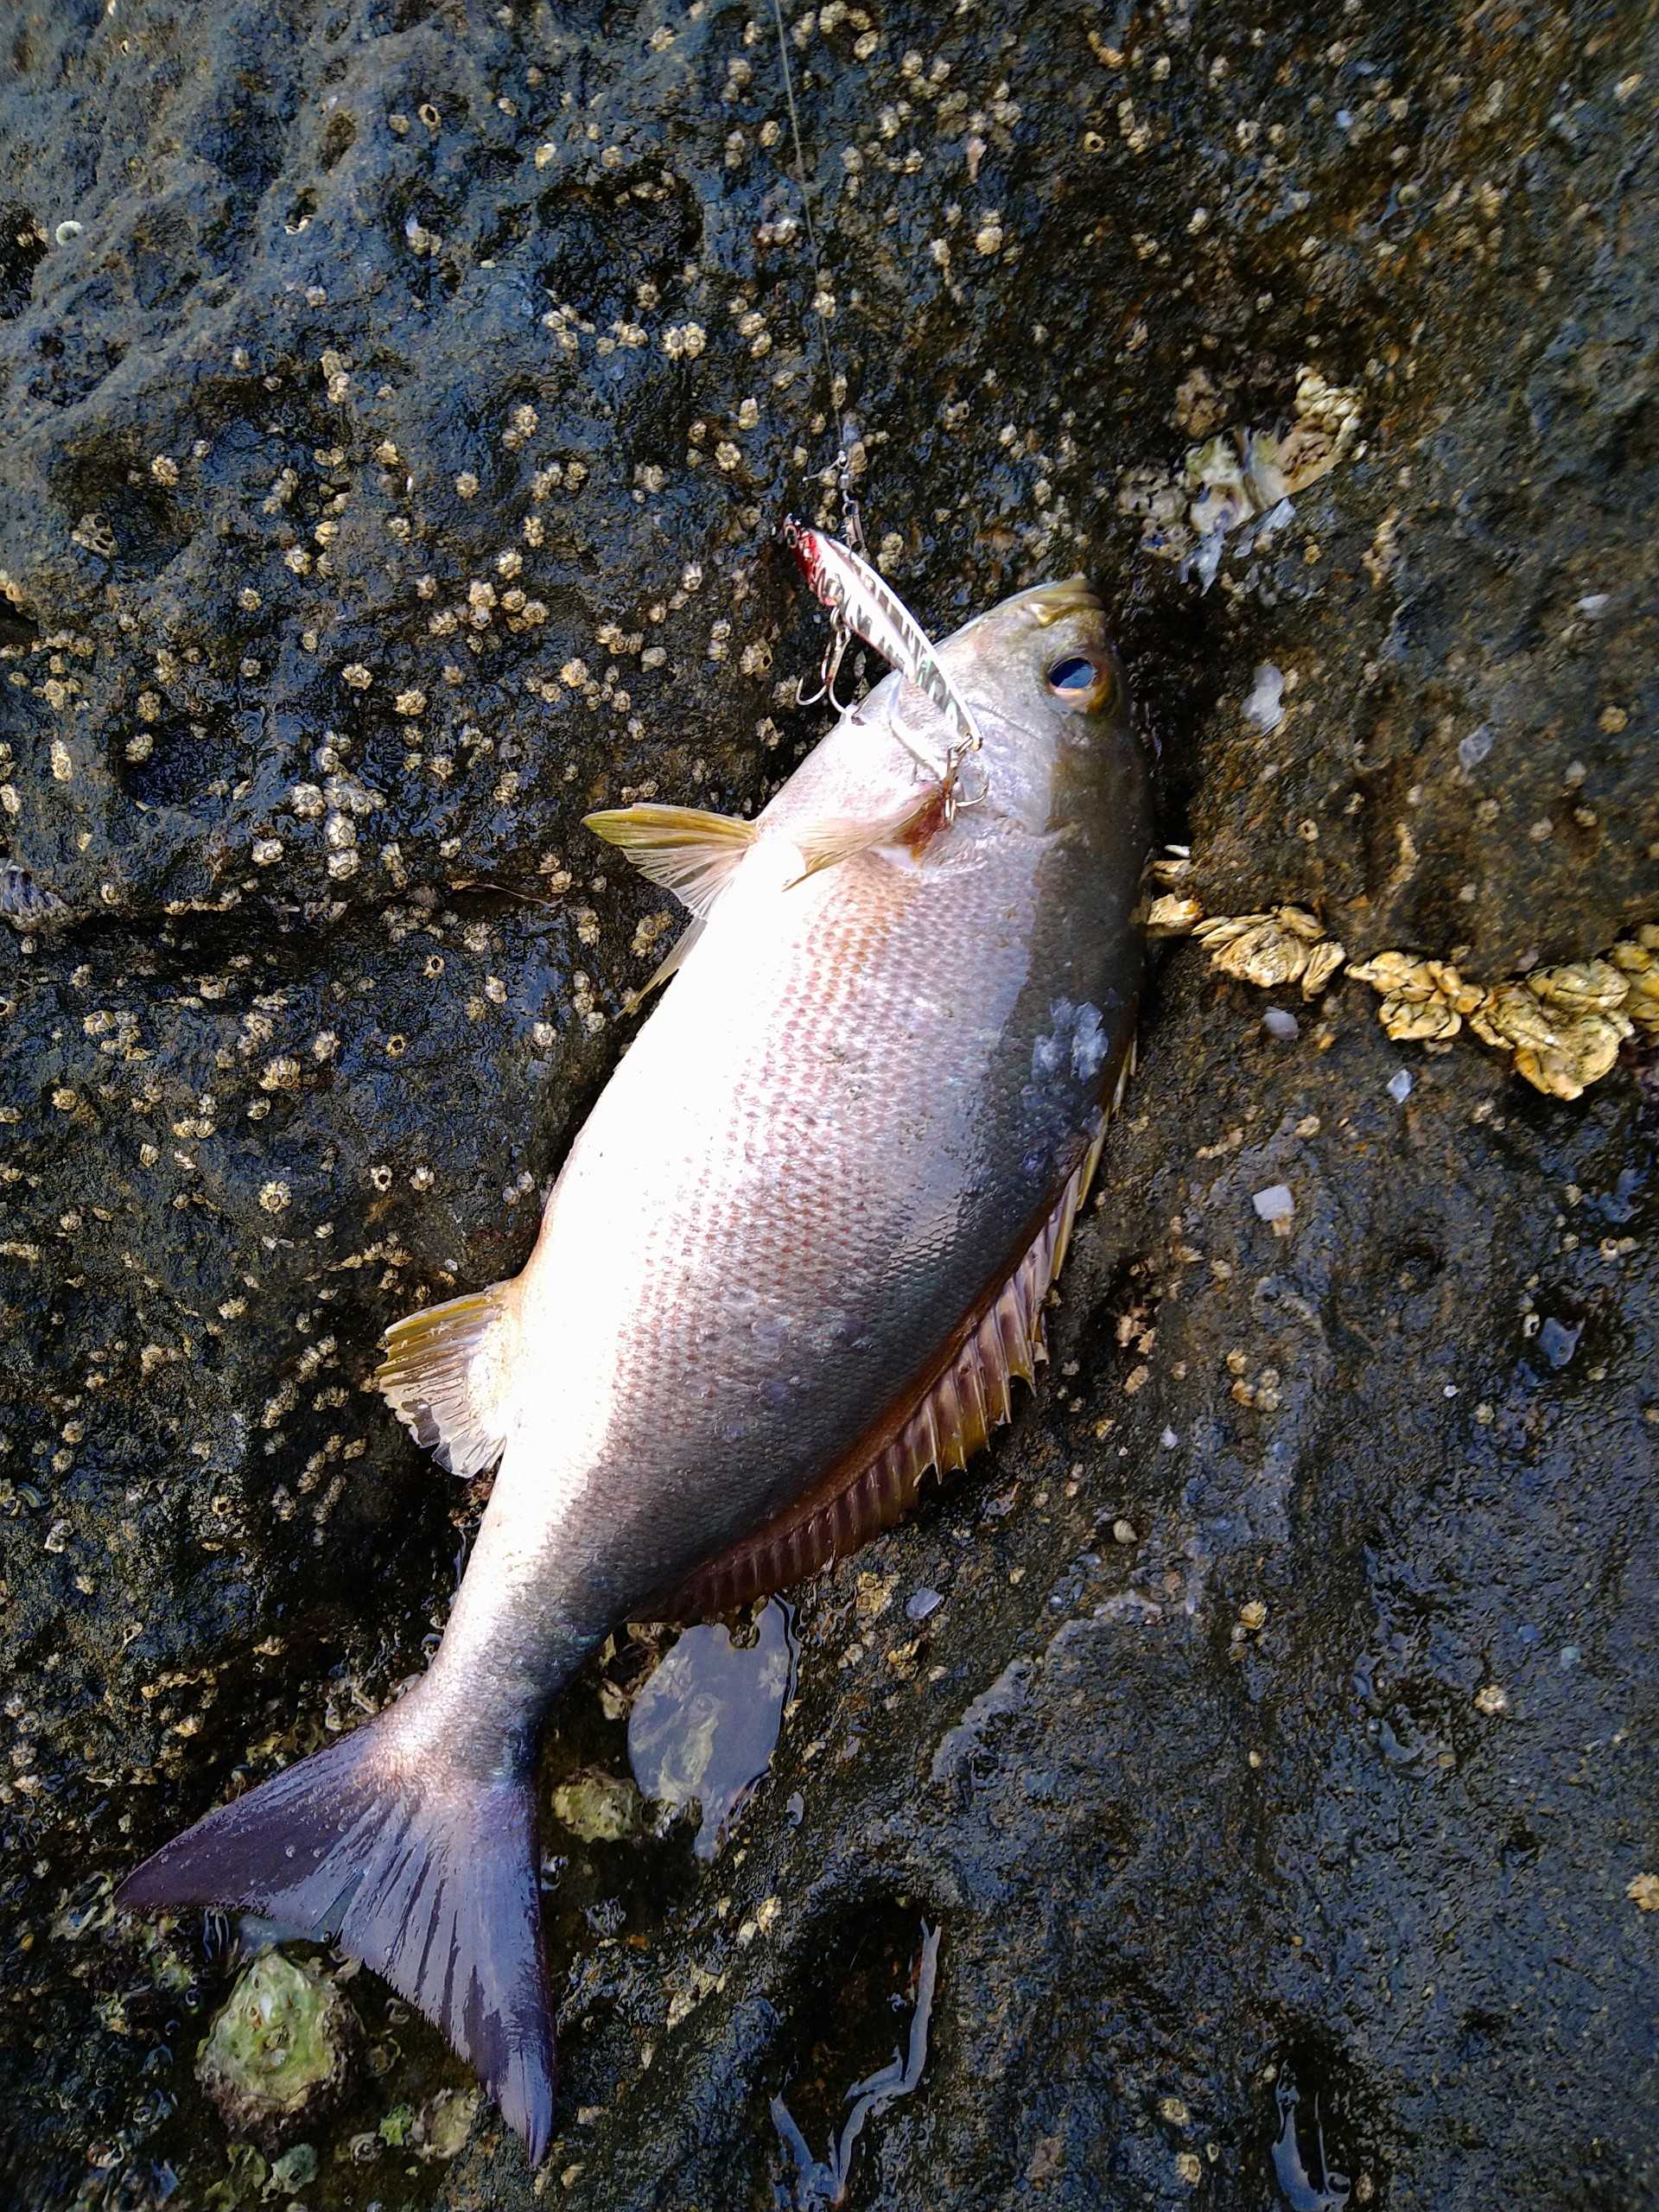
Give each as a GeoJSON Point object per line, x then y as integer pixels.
{"type": "Point", "coordinates": [1080, 681]}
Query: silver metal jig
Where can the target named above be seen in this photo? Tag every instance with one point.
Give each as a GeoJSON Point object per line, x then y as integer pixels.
{"type": "Point", "coordinates": [863, 604]}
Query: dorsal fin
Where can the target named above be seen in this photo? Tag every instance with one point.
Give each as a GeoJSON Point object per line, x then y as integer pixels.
{"type": "Point", "coordinates": [445, 1373]}
{"type": "Point", "coordinates": [968, 1393]}
{"type": "Point", "coordinates": [688, 852]}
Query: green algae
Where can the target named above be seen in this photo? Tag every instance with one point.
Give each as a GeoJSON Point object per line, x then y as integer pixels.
{"type": "Point", "coordinates": [280, 2051]}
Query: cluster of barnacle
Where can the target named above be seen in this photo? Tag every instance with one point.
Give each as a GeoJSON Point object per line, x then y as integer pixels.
{"type": "Point", "coordinates": [1241, 476]}
{"type": "Point", "coordinates": [1563, 1026]}
{"type": "Point", "coordinates": [1287, 945]}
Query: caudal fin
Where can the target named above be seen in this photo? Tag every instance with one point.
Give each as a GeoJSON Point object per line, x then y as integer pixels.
{"type": "Point", "coordinates": [428, 1875]}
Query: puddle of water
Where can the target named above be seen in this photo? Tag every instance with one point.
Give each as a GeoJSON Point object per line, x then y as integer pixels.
{"type": "Point", "coordinates": [705, 1726]}
{"type": "Point", "coordinates": [818, 2182]}
{"type": "Point", "coordinates": [1558, 1340]}
{"type": "Point", "coordinates": [1296, 2184]}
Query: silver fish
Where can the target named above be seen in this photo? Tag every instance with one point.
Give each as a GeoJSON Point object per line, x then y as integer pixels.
{"type": "Point", "coordinates": [795, 1260]}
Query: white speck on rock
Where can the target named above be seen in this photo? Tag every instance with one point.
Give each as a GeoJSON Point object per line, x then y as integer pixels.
{"type": "Point", "coordinates": [1473, 749]}
{"type": "Point", "coordinates": [1265, 706]}
{"type": "Point", "coordinates": [1274, 1204]}
{"type": "Point", "coordinates": [1275, 520]}
{"type": "Point", "coordinates": [1279, 1022]}
{"type": "Point", "coordinates": [1206, 560]}
{"type": "Point", "coordinates": [1400, 1085]}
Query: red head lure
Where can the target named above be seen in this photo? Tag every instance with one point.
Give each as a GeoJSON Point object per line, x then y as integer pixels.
{"type": "Point", "coordinates": [864, 605]}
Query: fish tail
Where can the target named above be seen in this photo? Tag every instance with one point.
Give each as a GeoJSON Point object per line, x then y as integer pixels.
{"type": "Point", "coordinates": [427, 1873]}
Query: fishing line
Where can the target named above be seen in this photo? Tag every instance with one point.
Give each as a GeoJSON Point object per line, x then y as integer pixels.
{"type": "Point", "coordinates": [863, 604]}
{"type": "Point", "coordinates": [852, 527]}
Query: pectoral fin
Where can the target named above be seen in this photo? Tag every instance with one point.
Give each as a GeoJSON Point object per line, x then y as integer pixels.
{"type": "Point", "coordinates": [688, 852]}
{"type": "Point", "coordinates": [911, 822]}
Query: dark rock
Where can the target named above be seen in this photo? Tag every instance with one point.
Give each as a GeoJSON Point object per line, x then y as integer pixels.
{"type": "Point", "coordinates": [1295, 1792]}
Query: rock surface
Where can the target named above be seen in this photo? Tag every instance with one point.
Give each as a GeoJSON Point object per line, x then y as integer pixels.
{"type": "Point", "coordinates": [398, 401]}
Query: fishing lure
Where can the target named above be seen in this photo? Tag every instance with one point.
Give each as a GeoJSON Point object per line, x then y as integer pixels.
{"type": "Point", "coordinates": [864, 605]}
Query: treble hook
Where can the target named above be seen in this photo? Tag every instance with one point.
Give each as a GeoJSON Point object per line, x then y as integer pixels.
{"type": "Point", "coordinates": [841, 637]}
{"type": "Point", "coordinates": [955, 798]}
{"type": "Point", "coordinates": [845, 706]}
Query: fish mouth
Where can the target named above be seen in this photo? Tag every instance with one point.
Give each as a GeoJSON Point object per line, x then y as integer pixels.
{"type": "Point", "coordinates": [1051, 603]}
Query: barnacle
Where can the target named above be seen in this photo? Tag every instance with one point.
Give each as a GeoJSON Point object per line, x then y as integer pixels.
{"type": "Point", "coordinates": [1286, 946]}
{"type": "Point", "coordinates": [600, 1807]}
{"type": "Point", "coordinates": [1637, 959]}
{"type": "Point", "coordinates": [1169, 915]}
{"type": "Point", "coordinates": [1327, 423]}
{"type": "Point", "coordinates": [1400, 975]}
{"type": "Point", "coordinates": [1221, 499]}
{"type": "Point", "coordinates": [279, 2054]}
{"type": "Point", "coordinates": [444, 2123]}
{"type": "Point", "coordinates": [1584, 987]}
{"type": "Point", "coordinates": [1239, 475]}
{"type": "Point", "coordinates": [1323, 961]}
{"type": "Point", "coordinates": [1563, 1026]}
{"type": "Point", "coordinates": [1299, 922]}
{"type": "Point", "coordinates": [1514, 1016]}
{"type": "Point", "coordinates": [1584, 1048]}
{"type": "Point", "coordinates": [1414, 1021]}
{"type": "Point", "coordinates": [1423, 1001]}
{"type": "Point", "coordinates": [1147, 492]}
{"type": "Point", "coordinates": [1266, 955]}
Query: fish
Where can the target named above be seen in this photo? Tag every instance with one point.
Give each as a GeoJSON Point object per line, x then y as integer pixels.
{"type": "Point", "coordinates": [794, 1263]}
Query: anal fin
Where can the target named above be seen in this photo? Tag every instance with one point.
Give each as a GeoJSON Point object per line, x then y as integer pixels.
{"type": "Point", "coordinates": [445, 1377]}
{"type": "Point", "coordinates": [678, 956]}
{"type": "Point", "coordinates": [969, 1394]}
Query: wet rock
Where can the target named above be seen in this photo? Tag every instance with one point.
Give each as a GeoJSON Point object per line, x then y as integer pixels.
{"type": "Point", "coordinates": [398, 408]}
{"type": "Point", "coordinates": [278, 2057]}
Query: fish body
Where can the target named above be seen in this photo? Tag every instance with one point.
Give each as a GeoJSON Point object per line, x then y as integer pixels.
{"type": "Point", "coordinates": [793, 1258]}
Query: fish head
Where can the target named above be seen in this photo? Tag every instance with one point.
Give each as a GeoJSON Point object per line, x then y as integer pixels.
{"type": "Point", "coordinates": [1047, 693]}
